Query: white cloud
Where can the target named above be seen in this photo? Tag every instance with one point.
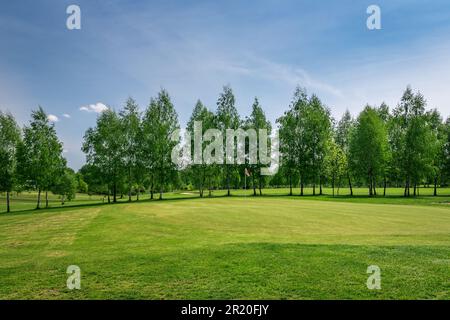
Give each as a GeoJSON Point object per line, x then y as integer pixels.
{"type": "Point", "coordinates": [52, 118]}
{"type": "Point", "coordinates": [97, 108]}
{"type": "Point", "coordinates": [65, 115]}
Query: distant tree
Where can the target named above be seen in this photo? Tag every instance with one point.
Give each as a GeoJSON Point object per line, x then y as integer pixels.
{"type": "Point", "coordinates": [336, 163]}
{"type": "Point", "coordinates": [103, 146]}
{"type": "Point", "coordinates": [201, 174]}
{"type": "Point", "coordinates": [388, 168]}
{"type": "Point", "coordinates": [288, 145]}
{"type": "Point", "coordinates": [368, 146]}
{"type": "Point", "coordinates": [9, 139]}
{"type": "Point", "coordinates": [65, 186]}
{"type": "Point", "coordinates": [96, 182]}
{"type": "Point", "coordinates": [445, 152]}
{"type": "Point", "coordinates": [438, 139]}
{"type": "Point", "coordinates": [317, 126]}
{"type": "Point", "coordinates": [258, 121]}
{"type": "Point", "coordinates": [39, 155]}
{"type": "Point", "coordinates": [132, 154]}
{"type": "Point", "coordinates": [82, 186]}
{"type": "Point", "coordinates": [302, 156]}
{"type": "Point", "coordinates": [414, 140]}
{"type": "Point", "coordinates": [159, 123]}
{"type": "Point", "coordinates": [227, 118]}
{"type": "Point", "coordinates": [342, 138]}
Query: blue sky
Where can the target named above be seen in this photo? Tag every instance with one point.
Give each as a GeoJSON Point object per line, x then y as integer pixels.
{"type": "Point", "coordinates": [261, 48]}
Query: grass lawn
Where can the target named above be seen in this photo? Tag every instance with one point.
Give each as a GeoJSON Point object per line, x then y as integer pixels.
{"type": "Point", "coordinates": [272, 247]}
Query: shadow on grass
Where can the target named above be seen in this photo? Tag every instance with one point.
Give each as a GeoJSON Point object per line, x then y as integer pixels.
{"type": "Point", "coordinates": [379, 199]}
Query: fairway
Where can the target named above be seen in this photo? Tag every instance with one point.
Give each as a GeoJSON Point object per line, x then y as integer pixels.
{"type": "Point", "coordinates": [227, 248]}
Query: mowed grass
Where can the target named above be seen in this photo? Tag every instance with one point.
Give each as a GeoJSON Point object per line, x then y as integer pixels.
{"type": "Point", "coordinates": [27, 200]}
{"type": "Point", "coordinates": [270, 247]}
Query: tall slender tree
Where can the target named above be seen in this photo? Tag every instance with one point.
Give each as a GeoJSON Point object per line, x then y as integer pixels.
{"type": "Point", "coordinates": [9, 140]}
{"type": "Point", "coordinates": [258, 121]}
{"type": "Point", "coordinates": [368, 146]}
{"type": "Point", "coordinates": [131, 130]}
{"type": "Point", "coordinates": [288, 145]}
{"type": "Point", "coordinates": [228, 118]}
{"type": "Point", "coordinates": [413, 139]}
{"type": "Point", "coordinates": [201, 173]}
{"type": "Point", "coordinates": [342, 135]}
{"type": "Point", "coordinates": [159, 123]}
{"type": "Point", "coordinates": [103, 146]}
{"type": "Point", "coordinates": [317, 126]}
{"type": "Point", "coordinates": [39, 155]}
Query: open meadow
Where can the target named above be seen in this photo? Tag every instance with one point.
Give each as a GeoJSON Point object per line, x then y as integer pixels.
{"type": "Point", "coordinates": [242, 247]}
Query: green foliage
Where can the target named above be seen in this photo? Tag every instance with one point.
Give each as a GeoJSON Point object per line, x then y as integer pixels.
{"type": "Point", "coordinates": [227, 118]}
{"type": "Point", "coordinates": [305, 131]}
{"type": "Point", "coordinates": [65, 186]}
{"type": "Point", "coordinates": [413, 139]}
{"type": "Point", "coordinates": [159, 123]}
{"type": "Point", "coordinates": [257, 121]}
{"type": "Point", "coordinates": [103, 146]}
{"type": "Point", "coordinates": [368, 147]}
{"type": "Point", "coordinates": [201, 175]}
{"type": "Point", "coordinates": [39, 155]}
{"type": "Point", "coordinates": [336, 163]}
{"type": "Point", "coordinates": [9, 139]}
{"type": "Point", "coordinates": [133, 155]}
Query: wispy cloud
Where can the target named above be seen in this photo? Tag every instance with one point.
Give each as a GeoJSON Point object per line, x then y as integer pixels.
{"type": "Point", "coordinates": [52, 118]}
{"type": "Point", "coordinates": [66, 115]}
{"type": "Point", "coordinates": [97, 108]}
{"type": "Point", "coordinates": [293, 76]}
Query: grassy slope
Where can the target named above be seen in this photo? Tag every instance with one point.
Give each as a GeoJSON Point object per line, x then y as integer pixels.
{"type": "Point", "coordinates": [240, 247]}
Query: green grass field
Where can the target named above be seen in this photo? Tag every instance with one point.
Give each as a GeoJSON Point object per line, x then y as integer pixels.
{"type": "Point", "coordinates": [243, 247]}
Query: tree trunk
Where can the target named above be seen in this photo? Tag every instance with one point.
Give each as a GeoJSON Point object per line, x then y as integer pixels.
{"type": "Point", "coordinates": [109, 195]}
{"type": "Point", "coordinates": [350, 184]}
{"type": "Point", "coordinates": [39, 199]}
{"type": "Point", "coordinates": [314, 188]}
{"type": "Point", "coordinates": [115, 192]}
{"type": "Point", "coordinates": [406, 188]}
{"type": "Point", "coordinates": [7, 202]}
{"type": "Point", "coordinates": [260, 185]}
{"type": "Point", "coordinates": [370, 186]}
{"type": "Point", "coordinates": [415, 188]}
{"type": "Point", "coordinates": [374, 186]}
{"type": "Point", "coordinates": [332, 185]}
{"type": "Point", "coordinates": [290, 185]}
{"type": "Point", "coordinates": [46, 199]}
{"type": "Point", "coordinates": [151, 189]}
{"type": "Point", "coordinates": [301, 185]}
{"type": "Point", "coordinates": [228, 182]}
{"type": "Point", "coordinates": [435, 186]}
{"type": "Point", "coordinates": [137, 194]}
{"type": "Point", "coordinates": [320, 186]}
{"type": "Point", "coordinates": [384, 187]}
{"type": "Point", "coordinates": [129, 185]}
{"type": "Point", "coordinates": [200, 189]}
{"type": "Point", "coordinates": [254, 185]}
{"type": "Point", "coordinates": [209, 187]}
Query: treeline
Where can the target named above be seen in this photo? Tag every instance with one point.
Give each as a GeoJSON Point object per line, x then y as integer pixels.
{"type": "Point", "coordinates": [407, 146]}
{"type": "Point", "coordinates": [32, 159]}
{"type": "Point", "coordinates": [129, 152]}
